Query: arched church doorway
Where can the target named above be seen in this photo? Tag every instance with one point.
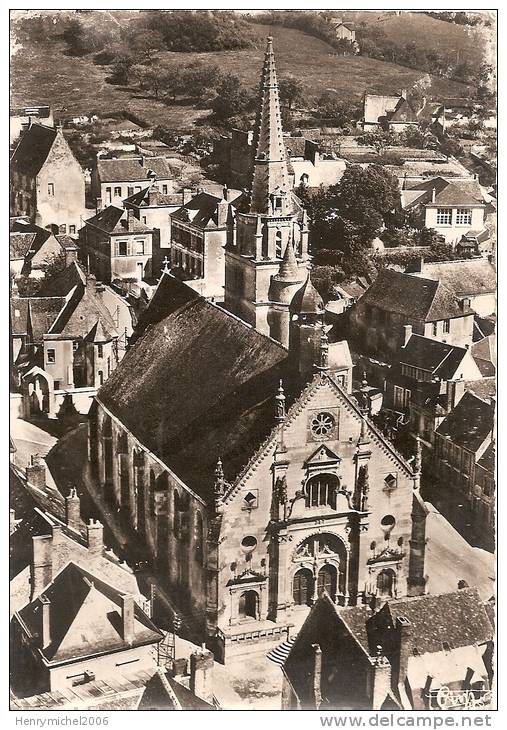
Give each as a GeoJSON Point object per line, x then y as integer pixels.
{"type": "Point", "coordinates": [302, 587]}
{"type": "Point", "coordinates": [249, 605]}
{"type": "Point", "coordinates": [385, 583]}
{"type": "Point", "coordinates": [326, 580]}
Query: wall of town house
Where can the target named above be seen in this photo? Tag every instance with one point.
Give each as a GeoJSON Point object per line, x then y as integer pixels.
{"type": "Point", "coordinates": [67, 203]}
{"type": "Point", "coordinates": [454, 230]}
{"type": "Point", "coordinates": [239, 523]}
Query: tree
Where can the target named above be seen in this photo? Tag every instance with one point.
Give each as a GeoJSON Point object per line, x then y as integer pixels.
{"type": "Point", "coordinates": [232, 98]}
{"type": "Point", "coordinates": [364, 192]}
{"type": "Point", "coordinates": [146, 44]}
{"type": "Point", "coordinates": [451, 148]}
{"type": "Point", "coordinates": [291, 91]}
{"type": "Point", "coordinates": [121, 68]}
{"type": "Point", "coordinates": [330, 107]}
{"type": "Point", "coordinates": [379, 139]}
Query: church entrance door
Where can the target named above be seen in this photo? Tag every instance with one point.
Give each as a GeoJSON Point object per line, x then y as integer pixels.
{"type": "Point", "coordinates": [249, 605]}
{"type": "Point", "coordinates": [327, 580]}
{"type": "Point", "coordinates": [302, 587]}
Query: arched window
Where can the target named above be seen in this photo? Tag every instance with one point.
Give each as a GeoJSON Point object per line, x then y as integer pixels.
{"type": "Point", "coordinates": [385, 582]}
{"type": "Point", "coordinates": [326, 580]}
{"type": "Point", "coordinates": [320, 491]}
{"type": "Point", "coordinates": [302, 587]}
{"type": "Point", "coordinates": [249, 605]}
{"type": "Point", "coordinates": [278, 245]}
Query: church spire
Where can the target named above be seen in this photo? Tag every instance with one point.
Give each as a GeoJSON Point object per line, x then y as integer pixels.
{"type": "Point", "coordinates": [270, 166]}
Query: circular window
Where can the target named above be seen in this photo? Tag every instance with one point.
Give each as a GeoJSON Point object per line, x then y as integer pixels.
{"type": "Point", "coordinates": [388, 522]}
{"type": "Point", "coordinates": [249, 543]}
{"type": "Point", "coordinates": [322, 424]}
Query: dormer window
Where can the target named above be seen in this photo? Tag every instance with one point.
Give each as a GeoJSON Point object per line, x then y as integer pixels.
{"type": "Point", "coordinates": [278, 202]}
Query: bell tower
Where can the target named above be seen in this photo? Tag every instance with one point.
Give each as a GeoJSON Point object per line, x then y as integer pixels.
{"type": "Point", "coordinates": [306, 331]}
{"type": "Point", "coordinates": [269, 254]}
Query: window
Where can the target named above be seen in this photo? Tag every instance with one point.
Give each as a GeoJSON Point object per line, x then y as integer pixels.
{"type": "Point", "coordinates": [164, 189]}
{"type": "Point", "coordinates": [322, 425]}
{"type": "Point", "coordinates": [140, 247]}
{"type": "Point", "coordinates": [117, 192]}
{"type": "Point", "coordinates": [447, 326]}
{"type": "Point", "coordinates": [320, 491]}
{"type": "Point", "coordinates": [144, 219]}
{"type": "Point", "coordinates": [72, 229]}
{"type": "Point", "coordinates": [100, 350]}
{"type": "Point", "coordinates": [434, 329]}
{"type": "Point", "coordinates": [75, 345]}
{"type": "Point", "coordinates": [108, 195]}
{"type": "Point", "coordinates": [401, 397]}
{"type": "Point", "coordinates": [63, 228]}
{"type": "Point", "coordinates": [122, 248]}
{"type": "Point", "coordinates": [463, 217]}
{"type": "Point", "coordinates": [101, 377]}
{"type": "Point", "coordinates": [130, 191]}
{"type": "Point", "coordinates": [444, 216]}
{"type": "Point", "coordinates": [51, 356]}
{"type": "Point", "coordinates": [51, 189]}
{"type": "Point", "coordinates": [57, 385]}
{"type": "Point", "coordinates": [278, 245]}
{"type": "Point", "coordinates": [390, 482]}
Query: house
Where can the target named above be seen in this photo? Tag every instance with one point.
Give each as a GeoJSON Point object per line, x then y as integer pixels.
{"type": "Point", "coordinates": [471, 279]}
{"type": "Point", "coordinates": [20, 118]}
{"type": "Point", "coordinates": [199, 232]}
{"type": "Point", "coordinates": [81, 629]}
{"type": "Point", "coordinates": [116, 245]}
{"type": "Point", "coordinates": [454, 208]}
{"type": "Point", "coordinates": [47, 182]}
{"type": "Point", "coordinates": [425, 360]}
{"type": "Point", "coordinates": [344, 31]}
{"type": "Point", "coordinates": [119, 178]}
{"type": "Point", "coordinates": [395, 301]}
{"type": "Point", "coordinates": [395, 113]}
{"type": "Point", "coordinates": [421, 653]}
{"type": "Point", "coordinates": [464, 440]}
{"type": "Point", "coordinates": [62, 346]}
{"type": "Point", "coordinates": [247, 491]}
{"type": "Point", "coordinates": [32, 248]}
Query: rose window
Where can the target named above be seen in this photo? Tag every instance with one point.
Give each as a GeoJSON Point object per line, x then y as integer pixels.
{"type": "Point", "coordinates": [322, 424]}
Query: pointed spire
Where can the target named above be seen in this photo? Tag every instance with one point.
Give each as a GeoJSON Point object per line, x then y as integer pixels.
{"type": "Point", "coordinates": [289, 267]}
{"type": "Point", "coordinates": [270, 166]}
{"type": "Point", "coordinates": [280, 404]}
{"type": "Point", "coordinates": [307, 300]}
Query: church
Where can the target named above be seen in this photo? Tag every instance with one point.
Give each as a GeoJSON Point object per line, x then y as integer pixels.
{"type": "Point", "coordinates": [230, 438]}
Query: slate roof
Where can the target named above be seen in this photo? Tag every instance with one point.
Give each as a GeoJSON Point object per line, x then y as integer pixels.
{"type": "Point", "coordinates": [132, 169]}
{"type": "Point", "coordinates": [198, 384]}
{"type": "Point", "coordinates": [438, 358]}
{"type": "Point", "coordinates": [61, 284]}
{"type": "Point", "coordinates": [113, 220]}
{"type": "Point", "coordinates": [413, 297]}
{"type": "Point", "coordinates": [33, 150]}
{"type": "Point", "coordinates": [37, 313]}
{"type": "Point", "coordinates": [447, 193]}
{"type": "Point", "coordinates": [469, 423]}
{"type": "Point", "coordinates": [85, 617]}
{"type": "Point", "coordinates": [459, 618]}
{"type": "Point", "coordinates": [403, 112]}
{"type": "Point", "coordinates": [469, 277]}
{"type": "Point", "coordinates": [201, 210]}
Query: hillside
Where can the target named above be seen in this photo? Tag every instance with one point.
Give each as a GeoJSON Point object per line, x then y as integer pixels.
{"type": "Point", "coordinates": [43, 73]}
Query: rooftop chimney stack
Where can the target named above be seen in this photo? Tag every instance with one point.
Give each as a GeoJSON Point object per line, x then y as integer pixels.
{"type": "Point", "coordinates": [404, 632]}
{"type": "Point", "coordinates": [127, 618]}
{"type": "Point", "coordinates": [407, 334]}
{"type": "Point", "coordinates": [46, 621]}
{"type": "Point", "coordinates": [201, 675]}
{"type": "Point", "coordinates": [95, 534]}
{"type": "Point", "coordinates": [72, 510]}
{"type": "Point", "coordinates": [316, 676]}
{"type": "Point", "coordinates": [187, 195]}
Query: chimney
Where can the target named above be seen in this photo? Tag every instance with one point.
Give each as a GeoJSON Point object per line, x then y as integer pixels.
{"type": "Point", "coordinates": [403, 94]}
{"type": "Point", "coordinates": [95, 536]}
{"type": "Point", "coordinates": [36, 472]}
{"type": "Point", "coordinates": [407, 334]}
{"type": "Point", "coordinates": [46, 621]}
{"type": "Point", "coordinates": [72, 510]}
{"type": "Point", "coordinates": [187, 195]}
{"type": "Point", "coordinates": [222, 210]}
{"type": "Point", "coordinates": [127, 618]}
{"type": "Point", "coordinates": [381, 680]}
{"type": "Point", "coordinates": [450, 395]}
{"type": "Point", "coordinates": [433, 195]}
{"type": "Point", "coordinates": [404, 632]}
{"type": "Point", "coordinates": [201, 675]}
{"type": "Point", "coordinates": [226, 194]}
{"type": "Point", "coordinates": [464, 304]}
{"type": "Point", "coordinates": [316, 676]}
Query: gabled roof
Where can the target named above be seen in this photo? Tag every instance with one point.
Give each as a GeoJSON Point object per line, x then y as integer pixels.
{"type": "Point", "coordinates": [85, 617]}
{"type": "Point", "coordinates": [153, 197]}
{"type": "Point", "coordinates": [448, 192]}
{"type": "Point", "coordinates": [440, 359]}
{"type": "Point", "coordinates": [413, 297]}
{"type": "Point", "coordinates": [33, 149]}
{"type": "Point", "coordinates": [66, 242]}
{"type": "Point", "coordinates": [135, 169]}
{"type": "Point", "coordinates": [36, 314]}
{"type": "Point", "coordinates": [469, 277]}
{"type": "Point", "coordinates": [220, 405]}
{"type": "Point", "coordinates": [114, 220]}
{"type": "Point", "coordinates": [61, 284]}
{"type": "Point", "coordinates": [202, 210]}
{"type": "Point", "coordinates": [458, 618]}
{"type": "Point", "coordinates": [469, 423]}
{"type": "Point", "coordinates": [377, 106]}
{"type": "Point", "coordinates": [403, 112]}
{"type": "Point", "coordinates": [79, 315]}
{"type": "Point", "coordinates": [20, 244]}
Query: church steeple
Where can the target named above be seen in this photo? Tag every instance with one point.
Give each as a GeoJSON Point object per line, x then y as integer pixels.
{"type": "Point", "coordinates": [270, 186]}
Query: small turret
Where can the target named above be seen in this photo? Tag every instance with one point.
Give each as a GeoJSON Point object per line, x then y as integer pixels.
{"type": "Point", "coordinates": [305, 330]}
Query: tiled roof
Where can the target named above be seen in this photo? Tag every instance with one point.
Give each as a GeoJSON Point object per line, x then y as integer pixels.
{"type": "Point", "coordinates": [202, 210]}
{"type": "Point", "coordinates": [458, 618]}
{"type": "Point", "coordinates": [153, 197]}
{"type": "Point", "coordinates": [484, 389]}
{"type": "Point", "coordinates": [469, 423]}
{"type": "Point", "coordinates": [33, 149]}
{"type": "Point", "coordinates": [447, 192]}
{"type": "Point", "coordinates": [439, 359]}
{"type": "Point", "coordinates": [66, 242]}
{"type": "Point", "coordinates": [85, 617]}
{"type": "Point", "coordinates": [35, 313]}
{"type": "Point", "coordinates": [189, 416]}
{"type": "Point", "coordinates": [40, 235]}
{"type": "Point", "coordinates": [114, 220]}
{"type": "Point", "coordinates": [132, 169]}
{"type": "Point", "coordinates": [61, 284]}
{"type": "Point", "coordinates": [470, 277]}
{"type": "Point", "coordinates": [413, 297]}
{"type": "Point", "coordinates": [20, 244]}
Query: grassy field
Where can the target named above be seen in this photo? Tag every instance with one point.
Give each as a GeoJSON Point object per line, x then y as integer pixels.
{"type": "Point", "coordinates": [45, 74]}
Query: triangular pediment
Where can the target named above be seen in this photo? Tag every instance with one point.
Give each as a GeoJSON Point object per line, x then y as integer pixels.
{"type": "Point", "coordinates": [322, 455]}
